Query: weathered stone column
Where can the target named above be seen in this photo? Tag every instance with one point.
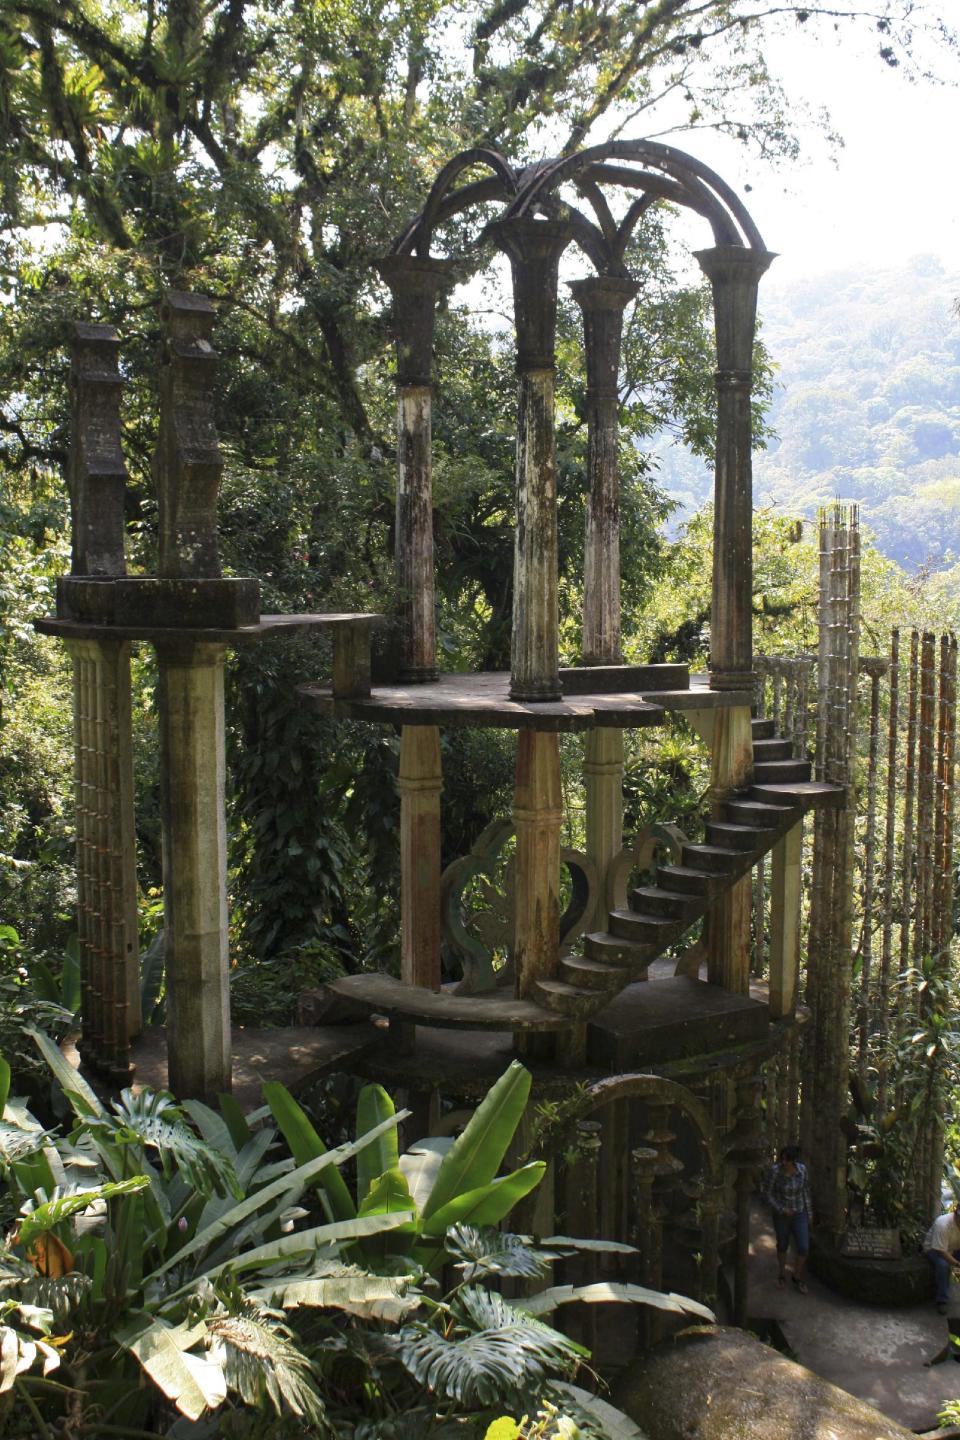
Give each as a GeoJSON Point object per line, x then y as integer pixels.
{"type": "Point", "coordinates": [602, 299]}
{"type": "Point", "coordinates": [728, 920]}
{"type": "Point", "coordinates": [414, 285]}
{"type": "Point", "coordinates": [187, 469]}
{"type": "Point", "coordinates": [534, 248]}
{"type": "Point", "coordinates": [734, 272]}
{"type": "Point", "coordinates": [420, 785]}
{"type": "Point", "coordinates": [195, 867]}
{"type": "Point", "coordinates": [785, 922]}
{"type": "Point", "coordinates": [537, 813]}
{"type": "Point", "coordinates": [106, 840]}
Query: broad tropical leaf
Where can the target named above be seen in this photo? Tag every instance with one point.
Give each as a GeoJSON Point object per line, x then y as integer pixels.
{"type": "Point", "coordinates": [421, 1165]}
{"type": "Point", "coordinates": [373, 1107]}
{"type": "Point", "coordinates": [489, 1203]}
{"type": "Point", "coordinates": [477, 1154]}
{"type": "Point", "coordinates": [82, 1099]}
{"type": "Point", "coordinates": [600, 1293]}
{"type": "Point", "coordinates": [388, 1195]}
{"type": "Point", "coordinates": [42, 1215]}
{"type": "Point", "coordinates": [573, 1242]}
{"type": "Point", "coordinates": [154, 1120]}
{"type": "Point", "coordinates": [192, 1382]}
{"type": "Point", "coordinates": [286, 1186]}
{"type": "Point", "coordinates": [305, 1145]}
{"type": "Point", "coordinates": [511, 1355]}
{"type": "Point", "coordinates": [371, 1297]}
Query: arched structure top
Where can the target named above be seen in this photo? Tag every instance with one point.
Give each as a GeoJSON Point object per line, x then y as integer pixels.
{"type": "Point", "coordinates": [655, 171]}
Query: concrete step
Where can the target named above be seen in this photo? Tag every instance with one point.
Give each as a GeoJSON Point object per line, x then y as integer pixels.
{"type": "Point", "coordinates": [689, 880]}
{"type": "Point", "coordinates": [802, 794]}
{"type": "Point", "coordinates": [616, 950]}
{"type": "Point", "coordinates": [773, 749]}
{"type": "Point", "coordinates": [671, 904]}
{"type": "Point", "coordinates": [568, 1000]}
{"type": "Point", "coordinates": [717, 858]}
{"type": "Point", "coordinates": [757, 815]}
{"type": "Point", "coordinates": [648, 929]}
{"type": "Point", "coordinates": [735, 837]}
{"type": "Point", "coordinates": [762, 729]}
{"type": "Point", "coordinates": [781, 772]}
{"type": "Point", "coordinates": [589, 974]}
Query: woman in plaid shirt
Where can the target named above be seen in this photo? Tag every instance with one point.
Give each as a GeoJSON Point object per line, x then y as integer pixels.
{"type": "Point", "coordinates": [787, 1191]}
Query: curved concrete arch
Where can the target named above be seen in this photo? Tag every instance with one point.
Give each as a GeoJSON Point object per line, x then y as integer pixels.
{"type": "Point", "coordinates": [657, 1087]}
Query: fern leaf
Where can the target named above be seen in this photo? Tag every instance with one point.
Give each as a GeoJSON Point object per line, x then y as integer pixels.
{"type": "Point", "coordinates": [261, 1362]}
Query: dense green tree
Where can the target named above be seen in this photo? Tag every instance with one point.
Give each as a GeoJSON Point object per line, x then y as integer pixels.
{"type": "Point", "coordinates": [266, 154]}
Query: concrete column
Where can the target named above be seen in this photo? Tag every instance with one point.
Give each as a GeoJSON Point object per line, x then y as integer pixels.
{"type": "Point", "coordinates": [414, 284]}
{"type": "Point", "coordinates": [785, 922]}
{"type": "Point", "coordinates": [602, 299]}
{"type": "Point", "coordinates": [537, 813]}
{"type": "Point", "coordinates": [534, 248]}
{"type": "Point", "coordinates": [734, 273]}
{"type": "Point", "coordinates": [420, 785]}
{"type": "Point", "coordinates": [728, 921]}
{"type": "Point", "coordinates": [603, 785]}
{"type": "Point", "coordinates": [194, 868]}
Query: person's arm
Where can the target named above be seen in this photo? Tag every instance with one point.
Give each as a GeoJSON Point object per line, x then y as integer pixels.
{"type": "Point", "coordinates": [807, 1201]}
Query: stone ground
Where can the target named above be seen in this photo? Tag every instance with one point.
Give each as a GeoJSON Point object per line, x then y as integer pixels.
{"type": "Point", "coordinates": [876, 1354]}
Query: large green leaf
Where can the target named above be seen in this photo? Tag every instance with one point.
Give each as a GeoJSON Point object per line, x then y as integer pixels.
{"type": "Point", "coordinates": [82, 1099]}
{"type": "Point", "coordinates": [373, 1107]}
{"type": "Point", "coordinates": [388, 1195]}
{"type": "Point", "coordinates": [4, 1084]}
{"type": "Point", "coordinates": [475, 1157]}
{"type": "Point", "coordinates": [602, 1293]}
{"type": "Point", "coordinates": [371, 1297]}
{"type": "Point", "coordinates": [421, 1165]}
{"type": "Point", "coordinates": [286, 1185]}
{"type": "Point", "coordinates": [487, 1204]}
{"type": "Point", "coordinates": [49, 1213]}
{"type": "Point", "coordinates": [193, 1383]}
{"type": "Point", "coordinates": [305, 1145]}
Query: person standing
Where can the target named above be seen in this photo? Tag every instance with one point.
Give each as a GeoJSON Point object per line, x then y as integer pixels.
{"type": "Point", "coordinates": [787, 1192]}
{"type": "Point", "coordinates": [942, 1249]}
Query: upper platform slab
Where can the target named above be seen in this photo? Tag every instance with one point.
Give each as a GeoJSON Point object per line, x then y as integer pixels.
{"type": "Point", "coordinates": [266, 626]}
{"type": "Point", "coordinates": [620, 697]}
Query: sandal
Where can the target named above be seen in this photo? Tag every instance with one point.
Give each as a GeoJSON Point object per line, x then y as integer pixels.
{"type": "Point", "coordinates": [800, 1285]}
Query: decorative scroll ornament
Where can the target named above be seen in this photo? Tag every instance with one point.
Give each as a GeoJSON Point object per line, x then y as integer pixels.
{"type": "Point", "coordinates": [477, 899]}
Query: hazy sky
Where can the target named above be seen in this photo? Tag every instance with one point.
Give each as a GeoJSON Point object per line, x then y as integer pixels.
{"type": "Point", "coordinates": [894, 189]}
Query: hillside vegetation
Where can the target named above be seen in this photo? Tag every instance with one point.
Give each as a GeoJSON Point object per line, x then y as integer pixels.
{"type": "Point", "coordinates": [866, 406]}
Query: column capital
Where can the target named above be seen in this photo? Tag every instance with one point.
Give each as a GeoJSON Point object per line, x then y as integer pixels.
{"type": "Point", "coordinates": [604, 292]}
{"type": "Point", "coordinates": [96, 473]}
{"type": "Point", "coordinates": [415, 282]}
{"type": "Point", "coordinates": [734, 264]}
{"type": "Point", "coordinates": [534, 248]}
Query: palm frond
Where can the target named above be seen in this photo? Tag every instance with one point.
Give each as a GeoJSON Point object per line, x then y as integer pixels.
{"type": "Point", "coordinates": [478, 1251]}
{"type": "Point", "coordinates": [261, 1362]}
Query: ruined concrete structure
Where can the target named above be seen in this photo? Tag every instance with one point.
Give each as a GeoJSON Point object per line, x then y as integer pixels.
{"type": "Point", "coordinates": [673, 1048]}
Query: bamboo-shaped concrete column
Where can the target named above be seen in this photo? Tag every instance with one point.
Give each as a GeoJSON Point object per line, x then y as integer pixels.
{"type": "Point", "coordinates": [603, 298]}
{"type": "Point", "coordinates": [414, 284]}
{"type": "Point", "coordinates": [534, 248]}
{"type": "Point", "coordinates": [734, 273]}
{"type": "Point", "coordinates": [106, 844]}
{"type": "Point", "coordinates": [187, 469]}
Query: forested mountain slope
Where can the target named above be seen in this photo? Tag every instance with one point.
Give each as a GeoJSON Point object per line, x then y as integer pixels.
{"type": "Point", "coordinates": [866, 406]}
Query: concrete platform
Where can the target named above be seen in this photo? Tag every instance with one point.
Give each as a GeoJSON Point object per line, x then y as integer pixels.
{"type": "Point", "coordinates": [874, 1353]}
{"type": "Point", "coordinates": [295, 1055]}
{"type": "Point", "coordinates": [666, 1019]}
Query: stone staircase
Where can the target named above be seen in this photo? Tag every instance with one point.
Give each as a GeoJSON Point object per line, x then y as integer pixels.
{"type": "Point", "coordinates": [660, 914]}
{"type": "Point", "coordinates": [657, 917]}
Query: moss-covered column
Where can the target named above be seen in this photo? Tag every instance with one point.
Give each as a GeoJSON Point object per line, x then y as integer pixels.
{"type": "Point", "coordinates": [728, 920]}
{"type": "Point", "coordinates": [734, 273]}
{"type": "Point", "coordinates": [602, 299]}
{"type": "Point", "coordinates": [785, 922]}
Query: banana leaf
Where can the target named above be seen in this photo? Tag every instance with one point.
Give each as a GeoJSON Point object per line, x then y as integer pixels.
{"type": "Point", "coordinates": [305, 1145]}
{"type": "Point", "coordinates": [477, 1154]}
